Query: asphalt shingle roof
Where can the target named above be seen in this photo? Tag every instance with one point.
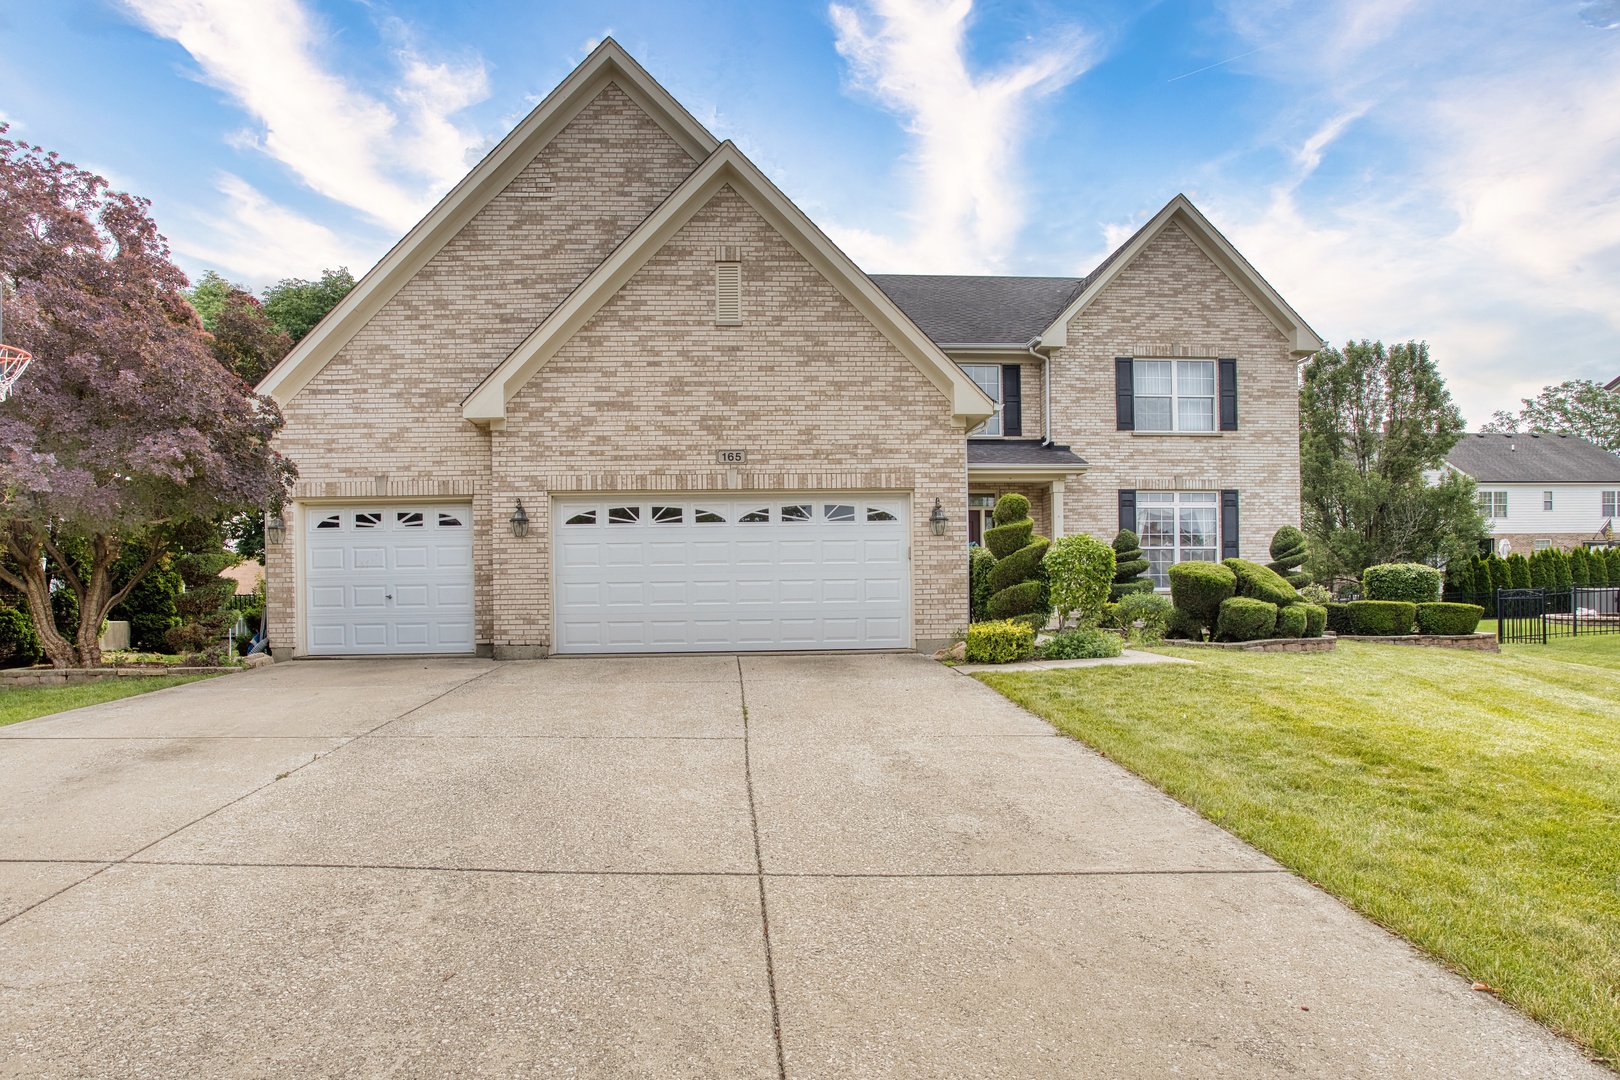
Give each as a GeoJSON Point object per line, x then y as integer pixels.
{"type": "Point", "coordinates": [1534, 459]}
{"type": "Point", "coordinates": [979, 310]}
{"type": "Point", "coordinates": [1021, 452]}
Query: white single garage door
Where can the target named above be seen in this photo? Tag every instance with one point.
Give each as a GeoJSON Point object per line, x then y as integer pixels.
{"type": "Point", "coordinates": [388, 579]}
{"type": "Point", "coordinates": [683, 574]}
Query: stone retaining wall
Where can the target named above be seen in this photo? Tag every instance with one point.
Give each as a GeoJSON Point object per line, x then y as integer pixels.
{"type": "Point", "coordinates": [52, 677]}
{"type": "Point", "coordinates": [1284, 644]}
{"type": "Point", "coordinates": [1479, 642]}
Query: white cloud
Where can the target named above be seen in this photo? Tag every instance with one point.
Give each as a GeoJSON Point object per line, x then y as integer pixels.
{"type": "Point", "coordinates": [967, 129]}
{"type": "Point", "coordinates": [387, 160]}
{"type": "Point", "coordinates": [258, 241]}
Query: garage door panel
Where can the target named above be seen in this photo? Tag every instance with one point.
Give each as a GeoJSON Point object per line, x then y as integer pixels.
{"type": "Point", "coordinates": [381, 579]}
{"type": "Point", "coordinates": [802, 572]}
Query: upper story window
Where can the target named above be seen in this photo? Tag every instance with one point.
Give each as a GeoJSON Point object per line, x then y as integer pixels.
{"type": "Point", "coordinates": [987, 377]}
{"type": "Point", "coordinates": [1492, 504]}
{"type": "Point", "coordinates": [1609, 500]}
{"type": "Point", "coordinates": [1174, 395]}
{"type": "Point", "coordinates": [1546, 500]}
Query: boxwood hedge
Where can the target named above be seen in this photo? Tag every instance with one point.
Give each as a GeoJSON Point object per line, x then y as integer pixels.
{"type": "Point", "coordinates": [999, 642]}
{"type": "Point", "coordinates": [1243, 618]}
{"type": "Point", "coordinates": [1411, 582]}
{"type": "Point", "coordinates": [1261, 583]}
{"type": "Point", "coordinates": [1315, 619]}
{"type": "Point", "coordinates": [1440, 618]}
{"type": "Point", "coordinates": [1291, 621]}
{"type": "Point", "coordinates": [1380, 618]}
{"type": "Point", "coordinates": [1198, 588]}
{"type": "Point", "coordinates": [1338, 616]}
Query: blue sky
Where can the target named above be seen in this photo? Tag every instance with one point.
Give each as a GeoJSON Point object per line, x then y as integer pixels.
{"type": "Point", "coordinates": [1395, 168]}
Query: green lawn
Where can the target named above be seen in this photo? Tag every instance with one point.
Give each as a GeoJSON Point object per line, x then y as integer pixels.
{"type": "Point", "coordinates": [27, 702]}
{"type": "Point", "coordinates": [1468, 801]}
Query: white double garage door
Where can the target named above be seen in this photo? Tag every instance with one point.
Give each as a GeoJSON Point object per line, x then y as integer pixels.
{"type": "Point", "coordinates": [629, 574]}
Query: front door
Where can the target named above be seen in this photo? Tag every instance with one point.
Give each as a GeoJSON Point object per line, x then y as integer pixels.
{"type": "Point", "coordinates": [980, 509]}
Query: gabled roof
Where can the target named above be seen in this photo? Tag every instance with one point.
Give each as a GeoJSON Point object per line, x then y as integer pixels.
{"type": "Point", "coordinates": [727, 165]}
{"type": "Point", "coordinates": [608, 63]}
{"type": "Point", "coordinates": [1302, 340]}
{"type": "Point", "coordinates": [975, 310]}
{"type": "Point", "coordinates": [1533, 459]}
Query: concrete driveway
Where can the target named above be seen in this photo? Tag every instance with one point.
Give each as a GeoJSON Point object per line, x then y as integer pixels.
{"type": "Point", "coordinates": [811, 866]}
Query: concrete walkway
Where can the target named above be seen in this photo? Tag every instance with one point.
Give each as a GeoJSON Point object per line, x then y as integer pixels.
{"type": "Point", "coordinates": [815, 866]}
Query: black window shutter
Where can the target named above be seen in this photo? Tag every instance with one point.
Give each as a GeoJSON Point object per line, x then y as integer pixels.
{"type": "Point", "coordinates": [1127, 508]}
{"type": "Point", "coordinates": [1012, 399]}
{"type": "Point", "coordinates": [1229, 524]}
{"type": "Point", "coordinates": [1228, 395]}
{"type": "Point", "coordinates": [1124, 395]}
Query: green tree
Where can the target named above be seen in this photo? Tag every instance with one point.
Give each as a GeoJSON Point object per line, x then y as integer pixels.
{"type": "Point", "coordinates": [208, 296]}
{"type": "Point", "coordinates": [1372, 422]}
{"type": "Point", "coordinates": [1574, 407]}
{"type": "Point", "coordinates": [295, 305]}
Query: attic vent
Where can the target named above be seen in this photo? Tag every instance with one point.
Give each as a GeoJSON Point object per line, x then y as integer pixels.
{"type": "Point", "coordinates": [728, 293]}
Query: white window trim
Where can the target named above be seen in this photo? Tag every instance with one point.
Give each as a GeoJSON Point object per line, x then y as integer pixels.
{"type": "Point", "coordinates": [1497, 500]}
{"type": "Point", "coordinates": [1202, 500]}
{"type": "Point", "coordinates": [983, 431]}
{"type": "Point", "coordinates": [1176, 396]}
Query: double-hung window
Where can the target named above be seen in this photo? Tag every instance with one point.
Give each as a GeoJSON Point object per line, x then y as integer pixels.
{"type": "Point", "coordinates": [1176, 526]}
{"type": "Point", "coordinates": [1174, 395]}
{"type": "Point", "coordinates": [1492, 504]}
{"type": "Point", "coordinates": [987, 377]}
{"type": "Point", "coordinates": [1609, 500]}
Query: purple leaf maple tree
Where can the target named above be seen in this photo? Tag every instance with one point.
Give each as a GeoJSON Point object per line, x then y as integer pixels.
{"type": "Point", "coordinates": [125, 426]}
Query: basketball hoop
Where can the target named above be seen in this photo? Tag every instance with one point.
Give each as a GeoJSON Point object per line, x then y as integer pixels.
{"type": "Point", "coordinates": [13, 362]}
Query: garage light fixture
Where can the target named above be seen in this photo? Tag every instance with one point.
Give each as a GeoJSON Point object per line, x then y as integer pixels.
{"type": "Point", "coordinates": [938, 519]}
{"type": "Point", "coordinates": [275, 528]}
{"type": "Point", "coordinates": [520, 521]}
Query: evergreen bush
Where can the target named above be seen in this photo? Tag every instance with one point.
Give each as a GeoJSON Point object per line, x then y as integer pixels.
{"type": "Point", "coordinates": [1179, 625]}
{"type": "Point", "coordinates": [1017, 580]}
{"type": "Point", "coordinates": [1449, 618]}
{"type": "Point", "coordinates": [1243, 618]}
{"type": "Point", "coordinates": [1261, 583]}
{"type": "Point", "coordinates": [1291, 620]}
{"type": "Point", "coordinates": [1129, 566]}
{"type": "Point", "coordinates": [1086, 643]}
{"type": "Point", "coordinates": [1579, 572]}
{"type": "Point", "coordinates": [1338, 616]}
{"type": "Point", "coordinates": [999, 642]}
{"type": "Point", "coordinates": [1315, 619]}
{"type": "Point", "coordinates": [1518, 572]}
{"type": "Point", "coordinates": [980, 563]}
{"type": "Point", "coordinates": [1542, 575]}
{"type": "Point", "coordinates": [19, 643]}
{"type": "Point", "coordinates": [1198, 588]}
{"type": "Point", "coordinates": [1288, 554]}
{"type": "Point", "coordinates": [1380, 618]}
{"type": "Point", "coordinates": [1144, 616]}
{"type": "Point", "coordinates": [1020, 600]}
{"type": "Point", "coordinates": [1411, 582]}
{"type": "Point", "coordinates": [1561, 569]}
{"type": "Point", "coordinates": [1080, 574]}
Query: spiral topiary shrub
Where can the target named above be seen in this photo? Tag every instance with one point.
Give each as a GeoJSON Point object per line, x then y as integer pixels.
{"type": "Point", "coordinates": [1243, 618]}
{"type": "Point", "coordinates": [1198, 588]}
{"type": "Point", "coordinates": [1449, 618]}
{"type": "Point", "coordinates": [1291, 621]}
{"type": "Point", "coordinates": [1412, 582]}
{"type": "Point", "coordinates": [998, 642]}
{"type": "Point", "coordinates": [1260, 583]}
{"type": "Point", "coordinates": [1020, 600]}
{"type": "Point", "coordinates": [980, 563]}
{"type": "Point", "coordinates": [1079, 570]}
{"type": "Point", "coordinates": [1288, 554]}
{"type": "Point", "coordinates": [1017, 581]}
{"type": "Point", "coordinates": [1315, 619]}
{"type": "Point", "coordinates": [1129, 566]}
{"type": "Point", "coordinates": [1380, 618]}
{"type": "Point", "coordinates": [1012, 528]}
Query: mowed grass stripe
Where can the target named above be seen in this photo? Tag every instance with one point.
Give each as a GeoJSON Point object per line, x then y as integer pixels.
{"type": "Point", "coordinates": [26, 702]}
{"type": "Point", "coordinates": [1468, 801]}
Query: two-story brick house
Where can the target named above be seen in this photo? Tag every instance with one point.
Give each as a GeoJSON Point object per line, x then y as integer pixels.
{"type": "Point", "coordinates": [616, 393]}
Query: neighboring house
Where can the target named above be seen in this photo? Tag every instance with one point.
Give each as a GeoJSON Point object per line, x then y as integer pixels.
{"type": "Point", "coordinates": [616, 393]}
{"type": "Point", "coordinates": [246, 575]}
{"type": "Point", "coordinates": [1540, 491]}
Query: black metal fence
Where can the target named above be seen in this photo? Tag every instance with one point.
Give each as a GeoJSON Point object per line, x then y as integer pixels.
{"type": "Point", "coordinates": [1534, 616]}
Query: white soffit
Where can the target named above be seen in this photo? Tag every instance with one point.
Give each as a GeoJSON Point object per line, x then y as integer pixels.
{"type": "Point", "coordinates": [726, 166]}
{"type": "Point", "coordinates": [609, 63]}
{"type": "Point", "coordinates": [1302, 340]}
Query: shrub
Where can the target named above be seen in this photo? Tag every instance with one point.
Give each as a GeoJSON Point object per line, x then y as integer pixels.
{"type": "Point", "coordinates": [1288, 554]}
{"type": "Point", "coordinates": [1315, 619]}
{"type": "Point", "coordinates": [1496, 567]}
{"type": "Point", "coordinates": [1449, 618]}
{"type": "Point", "coordinates": [1561, 569]}
{"type": "Point", "coordinates": [1381, 618]}
{"type": "Point", "coordinates": [1080, 571]}
{"type": "Point", "coordinates": [1198, 588]}
{"type": "Point", "coordinates": [980, 563]}
{"type": "Point", "coordinates": [1411, 582]}
{"type": "Point", "coordinates": [1086, 643]}
{"type": "Point", "coordinates": [1243, 618]}
{"type": "Point", "coordinates": [1183, 626]}
{"type": "Point", "coordinates": [1129, 565]}
{"type": "Point", "coordinates": [1145, 616]}
{"type": "Point", "coordinates": [1338, 616]}
{"type": "Point", "coordinates": [1110, 615]}
{"type": "Point", "coordinates": [1018, 580]}
{"type": "Point", "coordinates": [19, 643]}
{"type": "Point", "coordinates": [1542, 574]}
{"type": "Point", "coordinates": [1261, 583]}
{"type": "Point", "coordinates": [1518, 573]}
{"type": "Point", "coordinates": [1291, 620]}
{"type": "Point", "coordinates": [1460, 575]}
{"type": "Point", "coordinates": [1611, 565]}
{"type": "Point", "coordinates": [1315, 594]}
{"type": "Point", "coordinates": [999, 642]}
{"type": "Point", "coordinates": [1580, 571]}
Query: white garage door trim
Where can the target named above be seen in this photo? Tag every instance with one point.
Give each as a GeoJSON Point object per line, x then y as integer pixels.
{"type": "Point", "coordinates": [387, 578]}
{"type": "Point", "coordinates": [722, 573]}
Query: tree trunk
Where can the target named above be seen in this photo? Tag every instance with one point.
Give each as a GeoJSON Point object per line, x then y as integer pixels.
{"type": "Point", "coordinates": [27, 549]}
{"type": "Point", "coordinates": [96, 599]}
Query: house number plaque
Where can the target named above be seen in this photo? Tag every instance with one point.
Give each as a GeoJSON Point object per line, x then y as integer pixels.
{"type": "Point", "coordinates": [731, 457]}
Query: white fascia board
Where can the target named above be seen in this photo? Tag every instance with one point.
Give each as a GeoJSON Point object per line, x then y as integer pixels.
{"type": "Point", "coordinates": [727, 165]}
{"type": "Point", "coordinates": [1302, 340]}
{"type": "Point", "coordinates": [608, 64]}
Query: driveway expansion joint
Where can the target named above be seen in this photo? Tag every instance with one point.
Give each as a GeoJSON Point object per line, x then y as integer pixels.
{"type": "Point", "coordinates": [759, 871]}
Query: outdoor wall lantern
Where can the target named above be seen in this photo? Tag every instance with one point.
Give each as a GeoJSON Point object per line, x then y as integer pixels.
{"type": "Point", "coordinates": [938, 519]}
{"type": "Point", "coordinates": [275, 529]}
{"type": "Point", "coordinates": [520, 521]}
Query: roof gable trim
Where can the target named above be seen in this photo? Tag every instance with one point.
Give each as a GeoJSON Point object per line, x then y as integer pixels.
{"type": "Point", "coordinates": [1302, 340]}
{"type": "Point", "coordinates": [726, 166]}
{"type": "Point", "coordinates": [608, 64]}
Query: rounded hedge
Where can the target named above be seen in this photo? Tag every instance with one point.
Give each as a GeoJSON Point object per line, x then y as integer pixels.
{"type": "Point", "coordinates": [1198, 588]}
{"type": "Point", "coordinates": [1018, 600]}
{"type": "Point", "coordinates": [1243, 618]}
{"type": "Point", "coordinates": [1440, 618]}
{"type": "Point", "coordinates": [1412, 582]}
{"type": "Point", "coordinates": [1010, 508]}
{"type": "Point", "coordinates": [1261, 583]}
{"type": "Point", "coordinates": [1003, 540]}
{"type": "Point", "coordinates": [1380, 618]}
{"type": "Point", "coordinates": [998, 642]}
{"type": "Point", "coordinates": [1182, 626]}
{"type": "Point", "coordinates": [1315, 619]}
{"type": "Point", "coordinates": [1291, 621]}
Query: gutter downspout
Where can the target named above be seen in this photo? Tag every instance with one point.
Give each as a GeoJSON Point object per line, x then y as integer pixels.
{"type": "Point", "coordinates": [1046, 390]}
